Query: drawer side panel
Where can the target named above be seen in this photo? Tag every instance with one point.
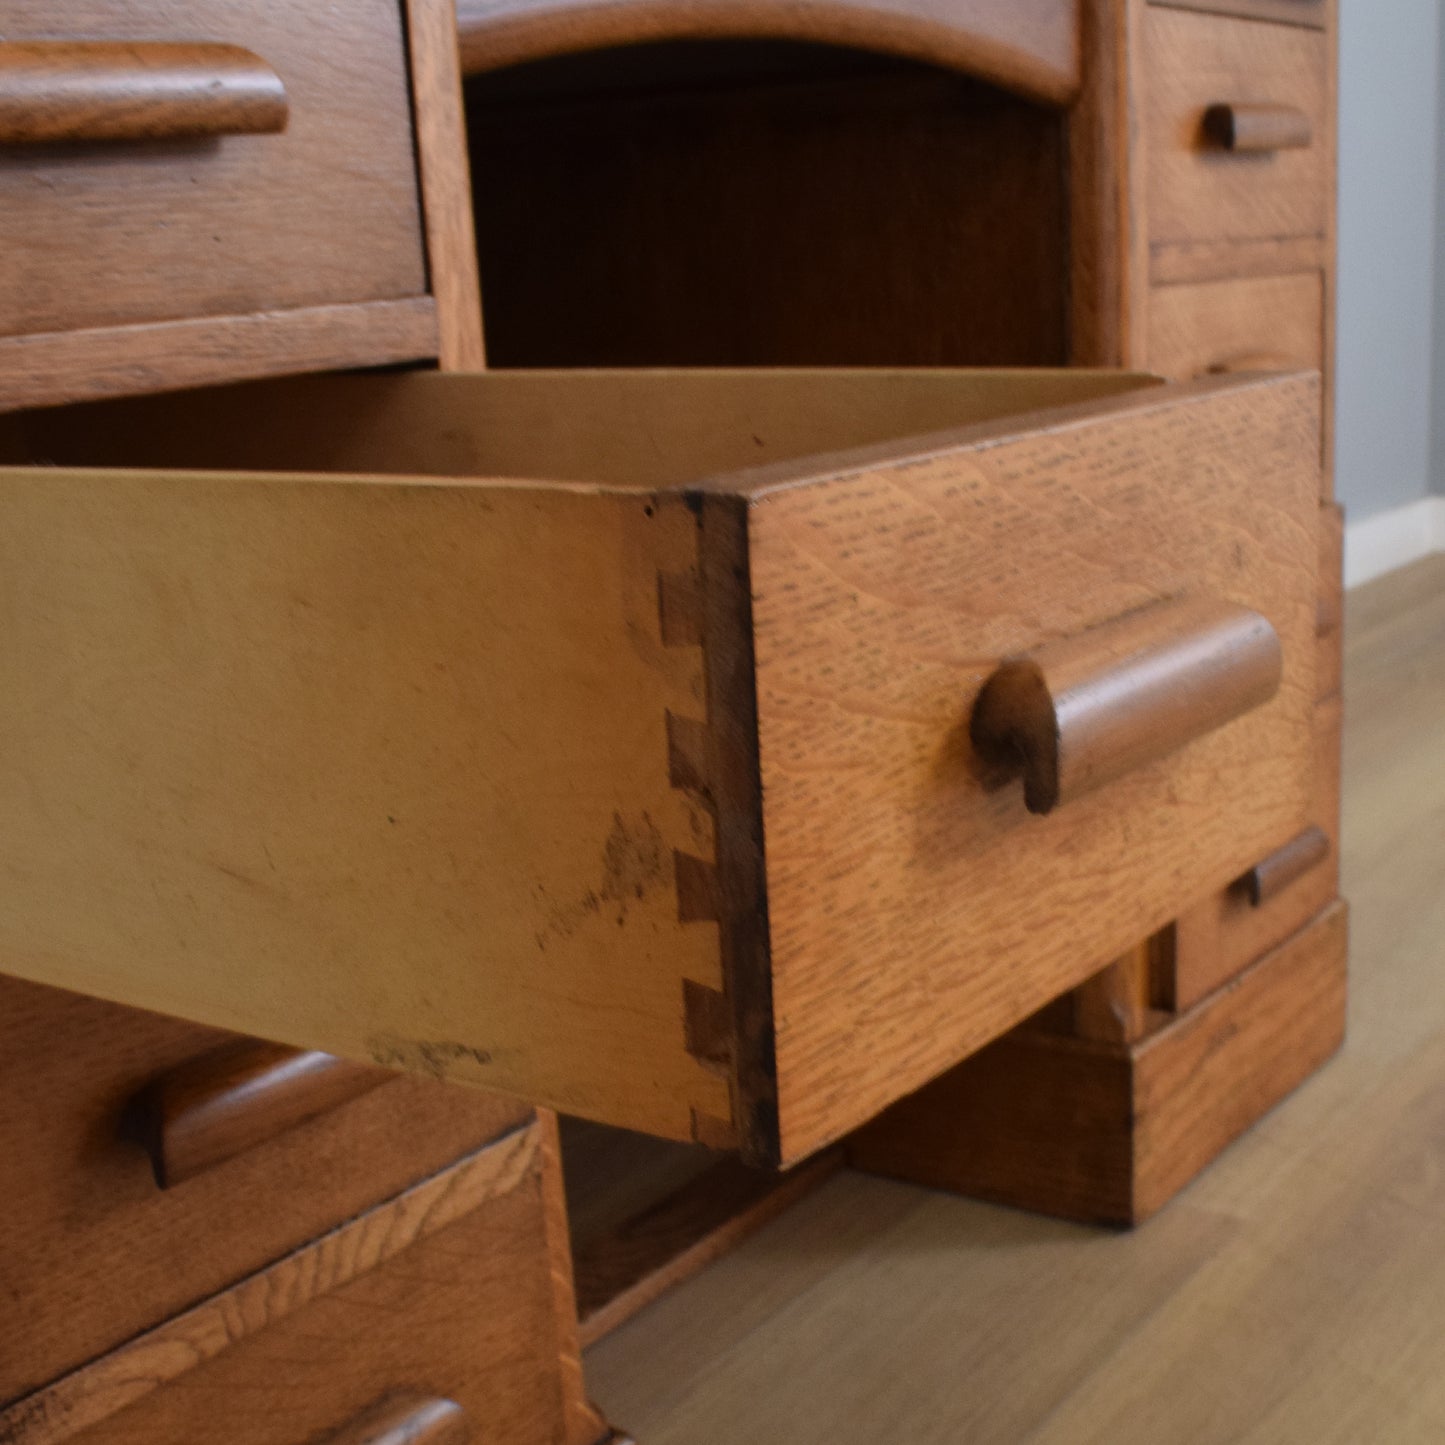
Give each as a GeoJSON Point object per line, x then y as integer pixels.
{"type": "Point", "coordinates": [380, 769]}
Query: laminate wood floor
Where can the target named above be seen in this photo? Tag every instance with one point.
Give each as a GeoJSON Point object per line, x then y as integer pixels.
{"type": "Point", "coordinates": [1295, 1293]}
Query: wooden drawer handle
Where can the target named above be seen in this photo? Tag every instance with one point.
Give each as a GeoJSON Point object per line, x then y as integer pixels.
{"type": "Point", "coordinates": [1258, 129]}
{"type": "Point", "coordinates": [215, 1107]}
{"type": "Point", "coordinates": [1078, 713]}
{"type": "Point", "coordinates": [406, 1420]}
{"type": "Point", "coordinates": [1299, 856]}
{"type": "Point", "coordinates": [54, 91]}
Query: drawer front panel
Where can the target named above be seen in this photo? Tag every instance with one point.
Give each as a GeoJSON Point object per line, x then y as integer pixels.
{"type": "Point", "coordinates": [119, 230]}
{"type": "Point", "coordinates": [1257, 323]}
{"type": "Point", "coordinates": [432, 1320]}
{"type": "Point", "coordinates": [917, 908]}
{"type": "Point", "coordinates": [1277, 182]}
{"type": "Point", "coordinates": [78, 1191]}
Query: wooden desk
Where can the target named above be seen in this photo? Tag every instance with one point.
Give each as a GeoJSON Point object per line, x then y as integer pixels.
{"type": "Point", "coordinates": [639, 782]}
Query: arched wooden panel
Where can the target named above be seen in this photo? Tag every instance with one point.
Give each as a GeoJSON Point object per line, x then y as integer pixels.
{"type": "Point", "coordinates": [1030, 46]}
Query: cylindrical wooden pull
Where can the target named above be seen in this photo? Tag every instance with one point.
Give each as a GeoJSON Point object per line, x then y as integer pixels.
{"type": "Point", "coordinates": [406, 1420]}
{"type": "Point", "coordinates": [1081, 712]}
{"type": "Point", "coordinates": [1301, 855]}
{"type": "Point", "coordinates": [213, 1108]}
{"type": "Point", "coordinates": [54, 91]}
{"type": "Point", "coordinates": [1258, 129]}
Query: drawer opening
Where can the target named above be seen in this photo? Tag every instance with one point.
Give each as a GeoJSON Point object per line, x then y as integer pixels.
{"type": "Point", "coordinates": [763, 203]}
{"type": "Point", "coordinates": [619, 429]}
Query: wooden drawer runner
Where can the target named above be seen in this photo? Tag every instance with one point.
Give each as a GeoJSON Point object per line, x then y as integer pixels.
{"type": "Point", "coordinates": [117, 230]}
{"type": "Point", "coordinates": [648, 796]}
{"type": "Point", "coordinates": [432, 1319]}
{"type": "Point", "coordinates": [1205, 75]}
{"type": "Point", "coordinates": [93, 1252]}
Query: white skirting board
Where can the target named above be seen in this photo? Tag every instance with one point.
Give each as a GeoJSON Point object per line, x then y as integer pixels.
{"type": "Point", "coordinates": [1389, 540]}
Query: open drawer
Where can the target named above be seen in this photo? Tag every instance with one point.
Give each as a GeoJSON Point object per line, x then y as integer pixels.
{"type": "Point", "coordinates": [638, 742]}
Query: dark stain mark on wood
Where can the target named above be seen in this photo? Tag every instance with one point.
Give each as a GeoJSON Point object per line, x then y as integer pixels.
{"type": "Point", "coordinates": [432, 1059]}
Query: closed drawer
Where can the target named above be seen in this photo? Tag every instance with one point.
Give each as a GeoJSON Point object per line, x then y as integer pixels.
{"type": "Point", "coordinates": [1209, 78]}
{"type": "Point", "coordinates": [1252, 323]}
{"type": "Point", "coordinates": [651, 793]}
{"type": "Point", "coordinates": [93, 1252]}
{"type": "Point", "coordinates": [432, 1319]}
{"type": "Point", "coordinates": [210, 210]}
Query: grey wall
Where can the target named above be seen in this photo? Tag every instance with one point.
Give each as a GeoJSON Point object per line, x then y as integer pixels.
{"type": "Point", "coordinates": [1388, 339]}
{"type": "Point", "coordinates": [1438, 387]}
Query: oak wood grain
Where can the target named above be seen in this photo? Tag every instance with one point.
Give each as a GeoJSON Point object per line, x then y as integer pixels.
{"type": "Point", "coordinates": [326, 214]}
{"type": "Point", "coordinates": [1029, 45]}
{"type": "Point", "coordinates": [79, 93]}
{"type": "Point", "coordinates": [897, 876]}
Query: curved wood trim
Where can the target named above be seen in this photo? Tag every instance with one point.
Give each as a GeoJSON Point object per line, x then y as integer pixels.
{"type": "Point", "coordinates": [1028, 46]}
{"type": "Point", "coordinates": [1079, 713]}
{"type": "Point", "coordinates": [81, 92]}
